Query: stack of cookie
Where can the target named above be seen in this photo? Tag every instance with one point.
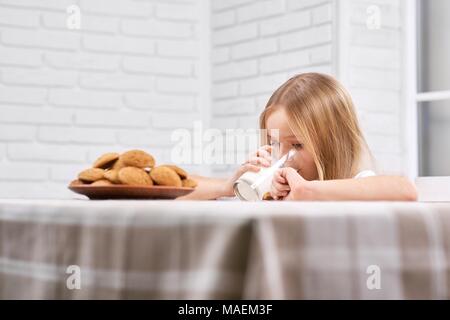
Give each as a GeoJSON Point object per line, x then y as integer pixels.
{"type": "Point", "coordinates": [134, 167]}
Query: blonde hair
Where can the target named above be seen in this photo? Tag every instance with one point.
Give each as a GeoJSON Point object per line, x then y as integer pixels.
{"type": "Point", "coordinates": [322, 116]}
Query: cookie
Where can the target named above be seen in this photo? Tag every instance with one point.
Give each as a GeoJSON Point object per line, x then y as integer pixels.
{"type": "Point", "coordinates": [77, 183]}
{"type": "Point", "coordinates": [118, 165]}
{"type": "Point", "coordinates": [267, 197]}
{"type": "Point", "coordinates": [106, 161]}
{"type": "Point", "coordinates": [181, 172]}
{"type": "Point", "coordinates": [189, 183]}
{"type": "Point", "coordinates": [134, 176]}
{"type": "Point", "coordinates": [165, 176]}
{"type": "Point", "coordinates": [138, 159]}
{"type": "Point", "coordinates": [102, 183]}
{"type": "Point", "coordinates": [91, 175]}
{"type": "Point", "coordinates": [112, 175]}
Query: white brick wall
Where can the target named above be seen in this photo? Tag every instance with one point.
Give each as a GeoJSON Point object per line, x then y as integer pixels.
{"type": "Point", "coordinates": [372, 70]}
{"type": "Point", "coordinates": [139, 68]}
{"type": "Point", "coordinates": [259, 44]}
{"type": "Point", "coordinates": [125, 80]}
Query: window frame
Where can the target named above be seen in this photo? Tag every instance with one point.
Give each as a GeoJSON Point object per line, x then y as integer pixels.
{"type": "Point", "coordinates": [413, 97]}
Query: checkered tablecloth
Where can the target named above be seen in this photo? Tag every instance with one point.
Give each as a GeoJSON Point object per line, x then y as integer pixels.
{"type": "Point", "coordinates": [223, 249]}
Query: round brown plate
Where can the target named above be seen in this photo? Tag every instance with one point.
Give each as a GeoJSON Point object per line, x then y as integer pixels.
{"type": "Point", "coordinates": [129, 192]}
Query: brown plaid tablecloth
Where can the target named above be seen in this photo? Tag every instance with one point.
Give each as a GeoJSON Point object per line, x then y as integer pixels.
{"type": "Point", "coordinates": [219, 249]}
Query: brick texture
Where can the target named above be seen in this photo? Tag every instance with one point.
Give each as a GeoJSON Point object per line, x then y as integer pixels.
{"type": "Point", "coordinates": [374, 73]}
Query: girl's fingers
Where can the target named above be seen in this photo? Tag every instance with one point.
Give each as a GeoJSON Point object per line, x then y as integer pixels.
{"type": "Point", "coordinates": [277, 194]}
{"type": "Point", "coordinates": [291, 175]}
{"type": "Point", "coordinates": [295, 181]}
{"type": "Point", "coordinates": [258, 161]}
{"type": "Point", "coordinates": [278, 178]}
{"type": "Point", "coordinates": [280, 189]}
{"type": "Point", "coordinates": [265, 154]}
{"type": "Point", "coordinates": [267, 148]}
{"type": "Point", "coordinates": [249, 167]}
{"type": "Point", "coordinates": [264, 150]}
{"type": "Point", "coordinates": [280, 186]}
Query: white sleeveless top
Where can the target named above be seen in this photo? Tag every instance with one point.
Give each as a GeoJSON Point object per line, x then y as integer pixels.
{"type": "Point", "coordinates": [365, 174]}
{"type": "Point", "coordinates": [366, 166]}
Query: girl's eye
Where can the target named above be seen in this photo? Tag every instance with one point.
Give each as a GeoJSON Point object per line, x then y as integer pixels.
{"type": "Point", "coordinates": [298, 146]}
{"type": "Point", "coordinates": [273, 143]}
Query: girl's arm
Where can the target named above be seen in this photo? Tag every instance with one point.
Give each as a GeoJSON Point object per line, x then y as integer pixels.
{"type": "Point", "coordinates": [207, 189]}
{"type": "Point", "coordinates": [378, 188]}
{"type": "Point", "coordinates": [213, 188]}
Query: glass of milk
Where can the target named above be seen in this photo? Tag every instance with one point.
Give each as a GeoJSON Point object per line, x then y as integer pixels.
{"type": "Point", "coordinates": [252, 186]}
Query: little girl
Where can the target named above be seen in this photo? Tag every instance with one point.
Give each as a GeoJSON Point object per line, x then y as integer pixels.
{"type": "Point", "coordinates": [315, 115]}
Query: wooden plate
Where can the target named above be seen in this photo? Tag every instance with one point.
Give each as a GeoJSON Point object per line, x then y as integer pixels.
{"type": "Point", "coordinates": [129, 192]}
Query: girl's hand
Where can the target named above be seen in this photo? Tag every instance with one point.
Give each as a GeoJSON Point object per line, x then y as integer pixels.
{"type": "Point", "coordinates": [261, 158]}
{"type": "Point", "coordinates": [287, 184]}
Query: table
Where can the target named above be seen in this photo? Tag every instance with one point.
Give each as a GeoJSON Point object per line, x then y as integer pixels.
{"type": "Point", "coordinates": [80, 249]}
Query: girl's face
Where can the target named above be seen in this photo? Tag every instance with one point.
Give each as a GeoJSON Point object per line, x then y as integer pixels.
{"type": "Point", "coordinates": [303, 161]}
